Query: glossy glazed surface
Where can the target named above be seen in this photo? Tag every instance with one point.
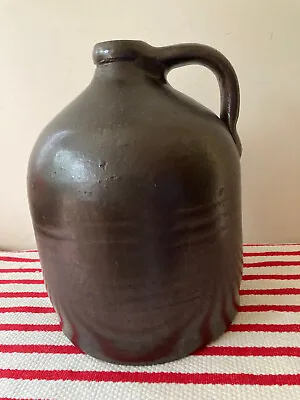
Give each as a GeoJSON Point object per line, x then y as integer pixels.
{"type": "Point", "coordinates": [134, 191]}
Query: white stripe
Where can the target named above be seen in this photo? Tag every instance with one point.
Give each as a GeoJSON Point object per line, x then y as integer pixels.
{"type": "Point", "coordinates": [21, 337]}
{"type": "Point", "coordinates": [283, 270]}
{"type": "Point", "coordinates": [271, 284]}
{"type": "Point", "coordinates": [21, 275]}
{"type": "Point", "coordinates": [22, 287]}
{"type": "Point", "coordinates": [70, 390]}
{"type": "Point", "coordinates": [21, 253]}
{"type": "Point", "coordinates": [246, 271]}
{"type": "Point", "coordinates": [245, 300]}
{"type": "Point", "coordinates": [248, 249]}
{"type": "Point", "coordinates": [259, 258]}
{"type": "Point", "coordinates": [241, 318]}
{"type": "Point", "coordinates": [265, 299]}
{"type": "Point", "coordinates": [262, 248]}
{"type": "Point", "coordinates": [268, 339]}
{"type": "Point", "coordinates": [29, 318]}
{"type": "Point", "coordinates": [267, 318]}
{"type": "Point", "coordinates": [19, 264]}
{"type": "Point", "coordinates": [25, 302]}
{"type": "Point", "coordinates": [201, 364]}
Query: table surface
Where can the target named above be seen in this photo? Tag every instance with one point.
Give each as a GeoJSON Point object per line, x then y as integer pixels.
{"type": "Point", "coordinates": [257, 358]}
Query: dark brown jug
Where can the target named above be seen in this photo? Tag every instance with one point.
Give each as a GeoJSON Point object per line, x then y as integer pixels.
{"type": "Point", "coordinates": [134, 192]}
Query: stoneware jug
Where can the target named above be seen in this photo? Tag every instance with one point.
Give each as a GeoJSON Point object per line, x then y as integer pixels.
{"type": "Point", "coordinates": [134, 192]}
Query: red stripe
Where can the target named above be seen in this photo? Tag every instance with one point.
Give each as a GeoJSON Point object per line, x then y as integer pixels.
{"type": "Point", "coordinates": [273, 276]}
{"type": "Point", "coordinates": [154, 377]}
{"type": "Point", "coordinates": [20, 269]}
{"type": "Point", "coordinates": [30, 327]}
{"type": "Point", "coordinates": [39, 348]}
{"type": "Point", "coordinates": [272, 264]}
{"type": "Point", "coordinates": [245, 277]}
{"type": "Point", "coordinates": [22, 294]}
{"type": "Point", "coordinates": [248, 308]}
{"type": "Point", "coordinates": [208, 351]}
{"type": "Point", "coordinates": [247, 351]}
{"type": "Point", "coordinates": [283, 291]}
{"type": "Point", "coordinates": [243, 292]}
{"type": "Point", "coordinates": [26, 251]}
{"type": "Point", "coordinates": [21, 281]}
{"type": "Point", "coordinates": [264, 328]}
{"type": "Point", "coordinates": [18, 259]}
{"type": "Point", "coordinates": [42, 310]}
{"type": "Point", "coordinates": [271, 253]}
{"type": "Point", "coordinates": [14, 398]}
{"type": "Point", "coordinates": [258, 264]}
{"type": "Point", "coordinates": [270, 244]}
{"type": "Point", "coordinates": [269, 307]}
{"type": "Point", "coordinates": [246, 254]}
{"type": "Point", "coordinates": [246, 265]}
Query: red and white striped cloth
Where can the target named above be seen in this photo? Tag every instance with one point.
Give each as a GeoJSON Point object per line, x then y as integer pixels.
{"type": "Point", "coordinates": [258, 358]}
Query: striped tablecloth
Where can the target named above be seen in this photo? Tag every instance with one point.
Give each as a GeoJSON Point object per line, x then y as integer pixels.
{"type": "Point", "coordinates": [258, 358]}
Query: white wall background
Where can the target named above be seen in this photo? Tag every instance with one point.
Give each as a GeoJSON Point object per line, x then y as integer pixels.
{"type": "Point", "coordinates": [46, 61]}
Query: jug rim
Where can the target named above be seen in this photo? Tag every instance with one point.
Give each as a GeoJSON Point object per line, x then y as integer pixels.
{"type": "Point", "coordinates": [120, 49]}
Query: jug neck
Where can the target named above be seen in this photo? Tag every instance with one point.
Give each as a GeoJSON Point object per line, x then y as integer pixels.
{"type": "Point", "coordinates": [129, 54]}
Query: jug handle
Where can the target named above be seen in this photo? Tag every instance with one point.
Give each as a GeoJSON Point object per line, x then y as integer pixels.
{"type": "Point", "coordinates": [183, 54]}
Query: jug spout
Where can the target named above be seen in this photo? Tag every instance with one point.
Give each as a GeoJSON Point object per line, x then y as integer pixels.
{"type": "Point", "coordinates": [120, 50]}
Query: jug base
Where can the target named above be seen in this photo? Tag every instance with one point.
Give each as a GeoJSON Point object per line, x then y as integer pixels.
{"type": "Point", "coordinates": [189, 347]}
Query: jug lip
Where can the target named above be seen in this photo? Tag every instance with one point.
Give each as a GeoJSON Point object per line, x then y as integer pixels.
{"type": "Point", "coordinates": [114, 50]}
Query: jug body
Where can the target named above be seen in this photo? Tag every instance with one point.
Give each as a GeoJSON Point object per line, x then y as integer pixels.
{"type": "Point", "coordinates": [135, 197]}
